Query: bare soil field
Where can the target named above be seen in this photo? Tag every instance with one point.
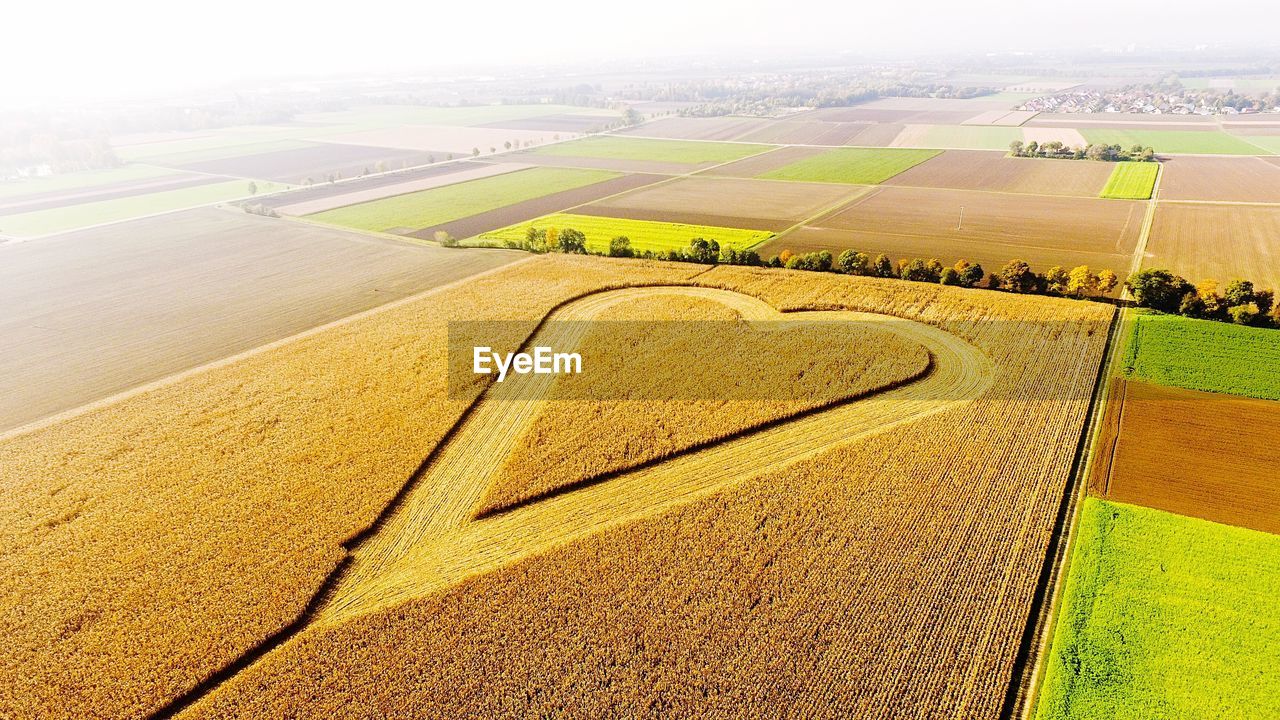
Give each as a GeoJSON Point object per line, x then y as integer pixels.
{"type": "Point", "coordinates": [1242, 179]}
{"type": "Point", "coordinates": [882, 135]}
{"type": "Point", "coordinates": [724, 202]}
{"type": "Point", "coordinates": [713, 128]}
{"type": "Point", "coordinates": [993, 170]}
{"type": "Point", "coordinates": [808, 132]}
{"type": "Point", "coordinates": [459, 140]}
{"type": "Point", "coordinates": [1007, 118]}
{"type": "Point", "coordinates": [64, 198]}
{"type": "Point", "coordinates": [654, 167]}
{"type": "Point", "coordinates": [562, 123]}
{"type": "Point", "coordinates": [926, 223]}
{"type": "Point", "coordinates": [1171, 452]}
{"type": "Point", "coordinates": [537, 207]}
{"type": "Point", "coordinates": [1219, 242]}
{"type": "Point", "coordinates": [472, 171]}
{"type": "Point", "coordinates": [97, 312]}
{"type": "Point", "coordinates": [316, 161]}
{"type": "Point", "coordinates": [857, 114]}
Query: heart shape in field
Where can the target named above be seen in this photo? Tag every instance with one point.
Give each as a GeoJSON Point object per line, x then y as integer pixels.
{"type": "Point", "coordinates": [667, 370]}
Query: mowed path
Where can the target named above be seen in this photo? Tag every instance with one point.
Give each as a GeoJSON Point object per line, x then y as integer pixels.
{"type": "Point", "coordinates": [94, 313]}
{"type": "Point", "coordinates": [432, 539]}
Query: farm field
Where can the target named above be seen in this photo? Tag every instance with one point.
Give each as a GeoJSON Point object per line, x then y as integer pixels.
{"type": "Point", "coordinates": [37, 201]}
{"type": "Point", "coordinates": [207, 283]}
{"type": "Point", "coordinates": [1223, 179]}
{"type": "Point", "coordinates": [1193, 453]}
{"type": "Point", "coordinates": [805, 132]}
{"type": "Point", "coordinates": [1132, 181]}
{"type": "Point", "coordinates": [963, 137]}
{"type": "Point", "coordinates": [1165, 616]}
{"type": "Point", "coordinates": [334, 196]}
{"type": "Point", "coordinates": [315, 162]}
{"type": "Point", "coordinates": [1126, 121]}
{"type": "Point", "coordinates": [993, 171]}
{"type": "Point", "coordinates": [73, 217]}
{"type": "Point", "coordinates": [1204, 355]}
{"type": "Point", "coordinates": [925, 223]}
{"type": "Point", "coordinates": [442, 141]}
{"type": "Point", "coordinates": [696, 128]}
{"type": "Point", "coordinates": [1191, 142]}
{"type": "Point", "coordinates": [467, 115]}
{"type": "Point", "coordinates": [726, 202]}
{"type": "Point", "coordinates": [76, 182]}
{"type": "Point", "coordinates": [649, 565]}
{"type": "Point", "coordinates": [644, 234]}
{"type": "Point", "coordinates": [1269, 142]}
{"type": "Point", "coordinates": [614, 147]}
{"type": "Point", "coordinates": [1218, 242]}
{"type": "Point", "coordinates": [860, 166]}
{"type": "Point", "coordinates": [406, 213]}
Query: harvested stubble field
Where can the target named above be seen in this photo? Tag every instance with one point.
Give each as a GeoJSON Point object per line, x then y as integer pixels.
{"type": "Point", "coordinates": [1165, 616]}
{"type": "Point", "coordinates": [152, 541]}
{"type": "Point", "coordinates": [724, 202]}
{"type": "Point", "coordinates": [995, 171]}
{"type": "Point", "coordinates": [684, 578]}
{"type": "Point", "coordinates": [426, 208]}
{"type": "Point", "coordinates": [687, 152]}
{"type": "Point", "coordinates": [644, 234]}
{"type": "Point", "coordinates": [926, 223]}
{"type": "Point", "coordinates": [1224, 179]}
{"type": "Point", "coordinates": [1218, 242]}
{"type": "Point", "coordinates": [1167, 448]}
{"type": "Point", "coordinates": [861, 166]}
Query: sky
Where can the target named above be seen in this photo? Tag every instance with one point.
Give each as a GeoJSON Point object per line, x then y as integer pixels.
{"type": "Point", "coordinates": [57, 49]}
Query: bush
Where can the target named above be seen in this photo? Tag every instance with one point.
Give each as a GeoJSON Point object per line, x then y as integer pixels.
{"type": "Point", "coordinates": [621, 247]}
{"type": "Point", "coordinates": [852, 262]}
{"type": "Point", "coordinates": [1158, 289]}
{"type": "Point", "coordinates": [1247, 314]}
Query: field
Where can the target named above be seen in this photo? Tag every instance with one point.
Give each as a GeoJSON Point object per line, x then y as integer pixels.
{"type": "Point", "coordinates": [1204, 355]}
{"type": "Point", "coordinates": [724, 202]}
{"type": "Point", "coordinates": [644, 234]}
{"type": "Point", "coordinates": [992, 171]}
{"type": "Point", "coordinates": [204, 284]}
{"type": "Point", "coordinates": [1165, 616]}
{"type": "Point", "coordinates": [1225, 179]}
{"type": "Point", "coordinates": [860, 166]}
{"type": "Point", "coordinates": [72, 217]}
{"type": "Point", "coordinates": [33, 202]}
{"type": "Point", "coordinates": [406, 213]}
{"type": "Point", "coordinates": [616, 147]}
{"type": "Point", "coordinates": [329, 197]}
{"type": "Point", "coordinates": [71, 183]}
{"type": "Point", "coordinates": [961, 137]}
{"type": "Point", "coordinates": [691, 128]}
{"type": "Point", "coordinates": [316, 162]}
{"type": "Point", "coordinates": [1131, 181]}
{"type": "Point", "coordinates": [1218, 242]}
{"type": "Point", "coordinates": [996, 228]}
{"type": "Point", "coordinates": [1191, 142]}
{"type": "Point", "coordinates": [1199, 454]}
{"type": "Point", "coordinates": [647, 568]}
{"type": "Point", "coordinates": [441, 140]}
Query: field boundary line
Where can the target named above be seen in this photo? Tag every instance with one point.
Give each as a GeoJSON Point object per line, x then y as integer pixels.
{"type": "Point", "coordinates": [865, 192]}
{"type": "Point", "coordinates": [1037, 640]}
{"type": "Point", "coordinates": [230, 359]}
{"type": "Point", "coordinates": [1144, 236]}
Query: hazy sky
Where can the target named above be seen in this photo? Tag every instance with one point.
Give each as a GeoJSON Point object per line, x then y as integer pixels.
{"type": "Point", "coordinates": [72, 49]}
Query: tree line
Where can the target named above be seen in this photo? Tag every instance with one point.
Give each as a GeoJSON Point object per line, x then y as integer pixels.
{"type": "Point", "coordinates": [1092, 151]}
{"type": "Point", "coordinates": [1239, 302]}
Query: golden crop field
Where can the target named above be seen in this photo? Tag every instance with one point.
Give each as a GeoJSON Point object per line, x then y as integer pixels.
{"type": "Point", "coordinates": [875, 554]}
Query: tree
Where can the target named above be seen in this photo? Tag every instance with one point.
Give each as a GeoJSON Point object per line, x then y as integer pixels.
{"type": "Point", "coordinates": [734, 256]}
{"type": "Point", "coordinates": [1158, 288]}
{"type": "Point", "coordinates": [492, 149]}
{"type": "Point", "coordinates": [307, 181]}
{"type": "Point", "coordinates": [445, 239]}
{"type": "Point", "coordinates": [704, 251]}
{"type": "Point", "coordinates": [970, 273]}
{"type": "Point", "coordinates": [1265, 300]}
{"type": "Point", "coordinates": [507, 145]}
{"type": "Point", "coordinates": [475, 152]}
{"type": "Point", "coordinates": [1246, 314]}
{"type": "Point", "coordinates": [1016, 148]}
{"type": "Point", "coordinates": [620, 247]}
{"type": "Point", "coordinates": [1107, 281]}
{"type": "Point", "coordinates": [571, 241]}
{"type": "Point", "coordinates": [852, 262]}
{"type": "Point", "coordinates": [883, 266]}
{"type": "Point", "coordinates": [551, 239]}
{"type": "Point", "coordinates": [1082, 281]}
{"type": "Point", "coordinates": [814, 261]}
{"type": "Point", "coordinates": [918, 270]}
{"type": "Point", "coordinates": [950, 277]}
{"type": "Point", "coordinates": [253, 188]}
{"type": "Point", "coordinates": [1056, 280]}
{"type": "Point", "coordinates": [380, 166]}
{"type": "Point", "coordinates": [631, 116]}
{"type": "Point", "coordinates": [1238, 292]}
{"type": "Point", "coordinates": [784, 256]}
{"type": "Point", "coordinates": [1016, 276]}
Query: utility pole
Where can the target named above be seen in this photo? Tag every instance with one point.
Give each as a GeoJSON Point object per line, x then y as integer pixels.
{"type": "Point", "coordinates": [960, 225]}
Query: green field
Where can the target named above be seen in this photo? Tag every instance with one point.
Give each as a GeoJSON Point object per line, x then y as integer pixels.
{"type": "Point", "coordinates": [44, 222]}
{"type": "Point", "coordinates": [1204, 355]}
{"type": "Point", "coordinates": [1202, 142]}
{"type": "Point", "coordinates": [968, 137]}
{"type": "Point", "coordinates": [78, 180]}
{"type": "Point", "coordinates": [1131, 181]}
{"type": "Point", "coordinates": [644, 234]}
{"type": "Point", "coordinates": [692, 152]}
{"type": "Point", "coordinates": [414, 211]}
{"type": "Point", "coordinates": [1270, 143]}
{"type": "Point", "coordinates": [1165, 616]}
{"type": "Point", "coordinates": [860, 166]}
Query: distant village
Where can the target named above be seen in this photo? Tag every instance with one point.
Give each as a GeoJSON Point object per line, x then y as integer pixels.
{"type": "Point", "coordinates": [1155, 100]}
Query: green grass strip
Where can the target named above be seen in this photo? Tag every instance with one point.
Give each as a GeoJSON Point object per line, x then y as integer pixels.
{"type": "Point", "coordinates": [1131, 181]}
{"type": "Point", "coordinates": [858, 166]}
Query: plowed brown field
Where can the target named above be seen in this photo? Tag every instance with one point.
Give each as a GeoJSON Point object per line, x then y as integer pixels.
{"type": "Point", "coordinates": [1205, 455]}
{"type": "Point", "coordinates": [1241, 179]}
{"type": "Point", "coordinates": [1219, 242]}
{"type": "Point", "coordinates": [984, 170]}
